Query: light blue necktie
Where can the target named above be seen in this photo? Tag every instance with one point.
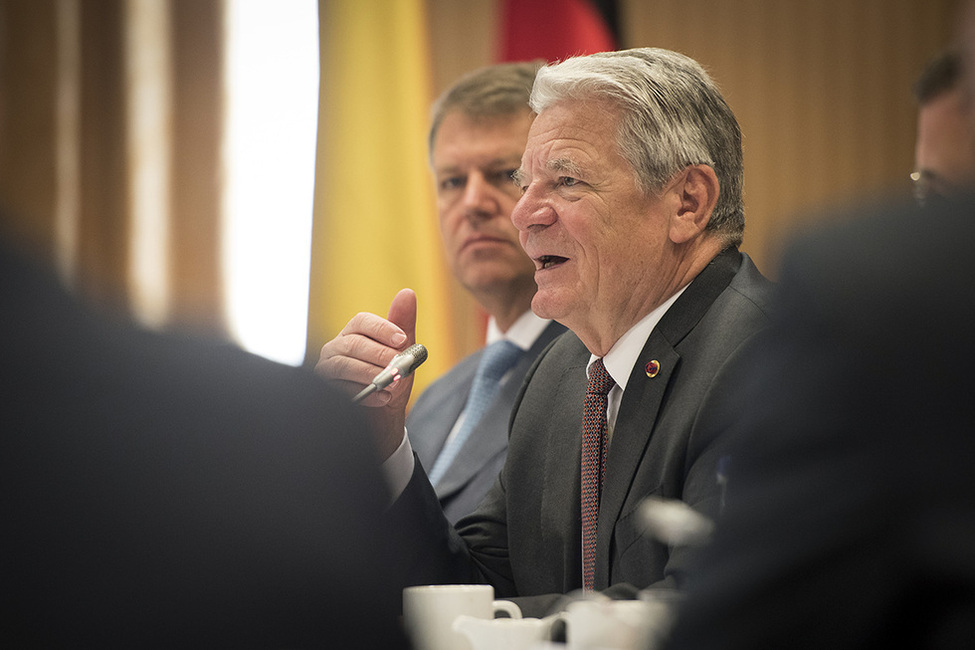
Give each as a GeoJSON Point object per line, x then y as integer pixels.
{"type": "Point", "coordinates": [496, 360]}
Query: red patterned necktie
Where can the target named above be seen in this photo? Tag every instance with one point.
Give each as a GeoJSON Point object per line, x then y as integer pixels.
{"type": "Point", "coordinates": [593, 463]}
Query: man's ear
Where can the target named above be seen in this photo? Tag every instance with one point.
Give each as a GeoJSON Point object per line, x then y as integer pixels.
{"type": "Point", "coordinates": [698, 189]}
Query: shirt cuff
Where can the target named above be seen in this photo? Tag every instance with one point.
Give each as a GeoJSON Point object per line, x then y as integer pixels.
{"type": "Point", "coordinates": [398, 468]}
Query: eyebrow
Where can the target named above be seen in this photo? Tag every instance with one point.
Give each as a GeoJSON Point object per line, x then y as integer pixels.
{"type": "Point", "coordinates": [556, 165]}
{"type": "Point", "coordinates": [565, 166]}
{"type": "Point", "coordinates": [495, 164]}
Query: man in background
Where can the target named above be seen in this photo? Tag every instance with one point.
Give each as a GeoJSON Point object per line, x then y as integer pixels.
{"type": "Point", "coordinates": [477, 136]}
{"type": "Point", "coordinates": [944, 159]}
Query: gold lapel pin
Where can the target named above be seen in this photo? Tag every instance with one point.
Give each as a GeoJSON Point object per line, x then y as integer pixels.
{"type": "Point", "coordinates": [653, 367]}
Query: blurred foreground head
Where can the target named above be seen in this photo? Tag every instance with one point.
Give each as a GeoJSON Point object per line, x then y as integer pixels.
{"type": "Point", "coordinates": [944, 153]}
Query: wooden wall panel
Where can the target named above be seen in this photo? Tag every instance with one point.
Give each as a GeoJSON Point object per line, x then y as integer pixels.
{"type": "Point", "coordinates": [195, 227]}
{"type": "Point", "coordinates": [28, 89]}
{"type": "Point", "coordinates": [462, 37]}
{"type": "Point", "coordinates": [104, 228]}
{"type": "Point", "coordinates": [96, 257]}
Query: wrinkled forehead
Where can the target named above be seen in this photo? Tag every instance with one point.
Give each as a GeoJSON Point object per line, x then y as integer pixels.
{"type": "Point", "coordinates": [570, 132]}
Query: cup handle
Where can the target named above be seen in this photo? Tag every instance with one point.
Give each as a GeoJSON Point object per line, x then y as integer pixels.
{"type": "Point", "coordinates": [558, 627]}
{"type": "Point", "coordinates": [511, 608]}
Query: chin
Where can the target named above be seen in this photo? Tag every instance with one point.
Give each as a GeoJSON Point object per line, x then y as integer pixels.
{"type": "Point", "coordinates": [545, 306]}
{"type": "Point", "coordinates": [488, 276]}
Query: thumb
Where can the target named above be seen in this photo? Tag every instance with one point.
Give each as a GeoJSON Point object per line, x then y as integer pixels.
{"type": "Point", "coordinates": [402, 313]}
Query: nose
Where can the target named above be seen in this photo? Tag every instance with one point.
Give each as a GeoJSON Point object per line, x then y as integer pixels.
{"type": "Point", "coordinates": [479, 201]}
{"type": "Point", "coordinates": [532, 211]}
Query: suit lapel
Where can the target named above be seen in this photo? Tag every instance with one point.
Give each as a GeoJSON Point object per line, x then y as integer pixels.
{"type": "Point", "coordinates": [644, 395]}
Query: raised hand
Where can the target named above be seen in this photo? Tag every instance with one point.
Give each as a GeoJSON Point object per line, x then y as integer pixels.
{"type": "Point", "coordinates": [361, 350]}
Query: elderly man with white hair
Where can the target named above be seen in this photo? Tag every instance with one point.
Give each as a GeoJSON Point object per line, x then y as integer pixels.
{"type": "Point", "coordinates": [632, 212]}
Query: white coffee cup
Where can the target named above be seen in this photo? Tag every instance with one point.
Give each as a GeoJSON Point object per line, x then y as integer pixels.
{"type": "Point", "coordinates": [429, 612]}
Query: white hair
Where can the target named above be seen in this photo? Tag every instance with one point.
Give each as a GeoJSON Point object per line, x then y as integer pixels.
{"type": "Point", "coordinates": [672, 115]}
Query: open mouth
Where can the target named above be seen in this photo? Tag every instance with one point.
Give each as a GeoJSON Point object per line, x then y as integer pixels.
{"type": "Point", "coordinates": [548, 261]}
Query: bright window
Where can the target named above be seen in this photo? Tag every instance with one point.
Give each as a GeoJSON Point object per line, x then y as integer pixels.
{"type": "Point", "coordinates": [272, 104]}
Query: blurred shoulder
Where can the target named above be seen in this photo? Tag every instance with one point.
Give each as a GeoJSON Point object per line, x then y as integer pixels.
{"type": "Point", "coordinates": [881, 242]}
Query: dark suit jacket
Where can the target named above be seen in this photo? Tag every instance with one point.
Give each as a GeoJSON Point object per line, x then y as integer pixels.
{"type": "Point", "coordinates": [851, 505]}
{"type": "Point", "coordinates": [482, 456]}
{"type": "Point", "coordinates": [163, 492]}
{"type": "Point", "coordinates": [525, 537]}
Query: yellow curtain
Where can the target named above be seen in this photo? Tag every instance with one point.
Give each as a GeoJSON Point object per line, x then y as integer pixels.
{"type": "Point", "coordinates": [375, 228]}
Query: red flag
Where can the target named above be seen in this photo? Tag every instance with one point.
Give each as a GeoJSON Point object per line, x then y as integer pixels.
{"type": "Point", "coordinates": [554, 29]}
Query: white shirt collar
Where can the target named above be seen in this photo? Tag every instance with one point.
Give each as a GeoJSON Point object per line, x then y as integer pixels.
{"type": "Point", "coordinates": [621, 358]}
{"type": "Point", "coordinates": [523, 333]}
